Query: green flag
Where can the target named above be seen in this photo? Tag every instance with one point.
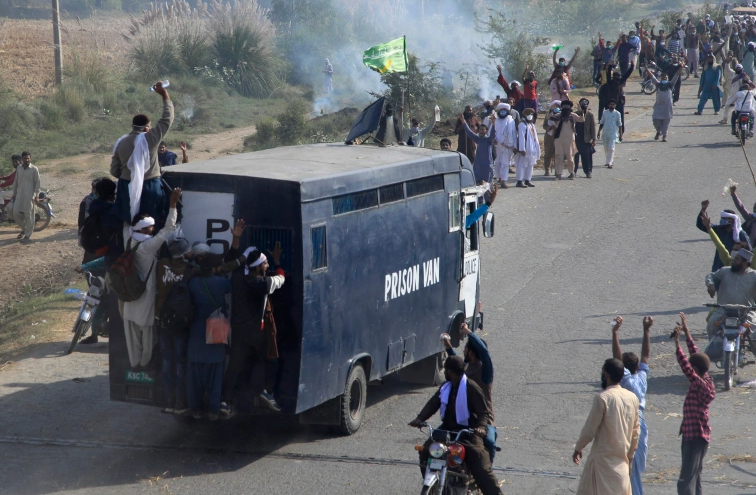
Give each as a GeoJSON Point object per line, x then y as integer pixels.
{"type": "Point", "coordinates": [388, 57]}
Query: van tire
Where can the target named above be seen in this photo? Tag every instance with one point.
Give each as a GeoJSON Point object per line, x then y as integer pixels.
{"type": "Point", "coordinates": [353, 401]}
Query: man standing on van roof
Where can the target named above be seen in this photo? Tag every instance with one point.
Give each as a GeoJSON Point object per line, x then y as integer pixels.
{"type": "Point", "coordinates": [135, 165]}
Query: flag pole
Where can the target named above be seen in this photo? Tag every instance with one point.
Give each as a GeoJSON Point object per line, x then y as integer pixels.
{"type": "Point", "coordinates": [409, 95]}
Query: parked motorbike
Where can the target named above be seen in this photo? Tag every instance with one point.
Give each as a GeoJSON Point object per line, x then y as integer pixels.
{"type": "Point", "coordinates": [647, 84]}
{"type": "Point", "coordinates": [93, 310]}
{"type": "Point", "coordinates": [743, 126]}
{"type": "Point", "coordinates": [446, 472]}
{"type": "Point", "coordinates": [42, 211]}
{"type": "Point", "coordinates": [734, 337]}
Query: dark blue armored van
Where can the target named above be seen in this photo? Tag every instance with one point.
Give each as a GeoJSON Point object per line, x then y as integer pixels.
{"type": "Point", "coordinates": [377, 257]}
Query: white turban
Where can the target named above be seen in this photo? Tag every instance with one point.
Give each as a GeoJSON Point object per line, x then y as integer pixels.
{"type": "Point", "coordinates": [557, 103]}
{"type": "Point", "coordinates": [503, 106]}
{"type": "Point", "coordinates": [201, 248]}
{"type": "Point", "coordinates": [259, 261]}
{"type": "Point", "coordinates": [143, 223]}
{"type": "Point", "coordinates": [735, 226]}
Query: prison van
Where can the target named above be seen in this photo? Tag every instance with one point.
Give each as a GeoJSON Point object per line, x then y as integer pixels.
{"type": "Point", "coordinates": [377, 258]}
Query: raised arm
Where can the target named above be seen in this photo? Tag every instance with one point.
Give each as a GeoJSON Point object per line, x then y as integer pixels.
{"type": "Point", "coordinates": [503, 81]}
{"type": "Point", "coordinates": [646, 345]}
{"type": "Point", "coordinates": [616, 349]}
{"type": "Point", "coordinates": [554, 59]}
{"type": "Point", "coordinates": [476, 343]}
{"type": "Point", "coordinates": [722, 251]}
{"type": "Point", "coordinates": [469, 131]}
{"type": "Point", "coordinates": [572, 60]}
{"type": "Point", "coordinates": [739, 204]}
{"type": "Point", "coordinates": [160, 129]}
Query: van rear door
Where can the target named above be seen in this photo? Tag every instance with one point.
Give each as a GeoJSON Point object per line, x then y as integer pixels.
{"type": "Point", "coordinates": [208, 217]}
{"type": "Point", "coordinates": [468, 288]}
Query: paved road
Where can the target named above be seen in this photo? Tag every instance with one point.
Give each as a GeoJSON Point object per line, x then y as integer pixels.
{"type": "Point", "coordinates": [567, 258]}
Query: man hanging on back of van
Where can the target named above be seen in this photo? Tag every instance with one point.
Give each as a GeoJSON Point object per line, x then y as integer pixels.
{"type": "Point", "coordinates": [135, 165]}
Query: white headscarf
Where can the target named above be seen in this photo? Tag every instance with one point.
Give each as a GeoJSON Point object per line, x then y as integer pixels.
{"type": "Point", "coordinates": [142, 224]}
{"type": "Point", "coordinates": [262, 259]}
{"type": "Point", "coordinates": [736, 229]}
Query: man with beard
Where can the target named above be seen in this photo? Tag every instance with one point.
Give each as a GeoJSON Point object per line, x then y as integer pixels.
{"type": "Point", "coordinates": [612, 120]}
{"type": "Point", "coordinates": [613, 90]}
{"type": "Point", "coordinates": [735, 284]}
{"type": "Point", "coordinates": [389, 127]}
{"type": "Point", "coordinates": [729, 231]}
{"type": "Point", "coordinates": [613, 426]}
{"type": "Point", "coordinates": [506, 142]}
{"type": "Point", "coordinates": [529, 150]}
{"type": "Point", "coordinates": [671, 69]}
{"type": "Point", "coordinates": [513, 90]}
{"type": "Point", "coordinates": [708, 87]}
{"type": "Point", "coordinates": [749, 58]}
{"type": "Point", "coordinates": [625, 50]}
{"type": "Point", "coordinates": [529, 89]}
{"type": "Point", "coordinates": [692, 42]}
{"type": "Point", "coordinates": [465, 145]}
{"type": "Point", "coordinates": [564, 140]}
{"type": "Point", "coordinates": [585, 138]}
{"type": "Point", "coordinates": [749, 224]}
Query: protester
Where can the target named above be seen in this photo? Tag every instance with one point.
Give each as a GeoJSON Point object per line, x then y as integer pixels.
{"type": "Point", "coordinates": [612, 120]}
{"type": "Point", "coordinates": [613, 90]}
{"type": "Point", "coordinates": [748, 60]}
{"type": "Point", "coordinates": [734, 284]}
{"type": "Point", "coordinates": [743, 103]}
{"type": "Point", "coordinates": [564, 140]}
{"type": "Point", "coordinates": [549, 125]}
{"type": "Point", "coordinates": [83, 214]}
{"type": "Point", "coordinates": [483, 163]}
{"type": "Point", "coordinates": [139, 315]}
{"type": "Point", "coordinates": [647, 54]}
{"type": "Point", "coordinates": [695, 428]}
{"type": "Point", "coordinates": [103, 230]}
{"type": "Point", "coordinates": [328, 82]}
{"type": "Point", "coordinates": [24, 199]}
{"type": "Point", "coordinates": [598, 55]}
{"type": "Point", "coordinates": [661, 42]}
{"type": "Point", "coordinates": [613, 426]}
{"type": "Point", "coordinates": [728, 74]}
{"type": "Point", "coordinates": [564, 66]}
{"type": "Point", "coordinates": [585, 138]}
{"type": "Point", "coordinates": [724, 255]}
{"type": "Point", "coordinates": [471, 411]}
{"type": "Point", "coordinates": [464, 145]}
{"type": "Point", "coordinates": [635, 380]}
{"type": "Point", "coordinates": [559, 85]}
{"type": "Point", "coordinates": [529, 149]}
{"type": "Point", "coordinates": [530, 89]}
{"type": "Point", "coordinates": [513, 91]}
{"type": "Point", "coordinates": [625, 51]}
{"type": "Point", "coordinates": [692, 42]}
{"type": "Point", "coordinates": [389, 128]}
{"type": "Point", "coordinates": [749, 218]}
{"type": "Point", "coordinates": [173, 318]}
{"type": "Point", "coordinates": [505, 130]}
{"type": "Point", "coordinates": [663, 107]}
{"type": "Point", "coordinates": [135, 165]}
{"type": "Point", "coordinates": [480, 369]}
{"type": "Point", "coordinates": [445, 144]}
{"type": "Point", "coordinates": [729, 231]}
{"type": "Point", "coordinates": [204, 373]}
{"type": "Point", "coordinates": [251, 287]}
{"type": "Point", "coordinates": [167, 158]}
{"type": "Point", "coordinates": [708, 88]}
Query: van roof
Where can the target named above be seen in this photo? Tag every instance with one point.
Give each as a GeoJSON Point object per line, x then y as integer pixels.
{"type": "Point", "coordinates": [325, 170]}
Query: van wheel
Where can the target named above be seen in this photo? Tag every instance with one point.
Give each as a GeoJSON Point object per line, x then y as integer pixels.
{"type": "Point", "coordinates": [353, 401]}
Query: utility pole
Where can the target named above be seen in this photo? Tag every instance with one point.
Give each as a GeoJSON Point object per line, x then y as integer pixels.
{"type": "Point", "coordinates": [56, 40]}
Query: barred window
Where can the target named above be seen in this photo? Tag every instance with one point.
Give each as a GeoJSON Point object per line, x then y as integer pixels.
{"type": "Point", "coordinates": [355, 201]}
{"type": "Point", "coordinates": [425, 185]}
{"type": "Point", "coordinates": [392, 193]}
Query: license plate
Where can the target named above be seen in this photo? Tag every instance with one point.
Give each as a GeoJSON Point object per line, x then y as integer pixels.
{"type": "Point", "coordinates": [138, 377]}
{"type": "Point", "coordinates": [730, 346]}
{"type": "Point", "coordinates": [86, 315]}
{"type": "Point", "coordinates": [437, 464]}
{"type": "Point", "coordinates": [732, 322]}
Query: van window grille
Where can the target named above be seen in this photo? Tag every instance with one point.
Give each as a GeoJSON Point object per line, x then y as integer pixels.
{"type": "Point", "coordinates": [265, 238]}
{"type": "Point", "coordinates": [355, 201]}
{"type": "Point", "coordinates": [319, 247]}
{"type": "Point", "coordinates": [425, 185]}
{"type": "Point", "coordinates": [392, 193]}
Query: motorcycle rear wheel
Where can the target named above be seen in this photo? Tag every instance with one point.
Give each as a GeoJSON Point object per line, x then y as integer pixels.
{"type": "Point", "coordinates": [431, 490]}
{"type": "Point", "coordinates": [729, 369]}
{"type": "Point", "coordinates": [649, 87]}
{"type": "Point", "coordinates": [743, 136]}
{"type": "Point", "coordinates": [79, 330]}
{"type": "Point", "coordinates": [685, 73]}
{"type": "Point", "coordinates": [41, 219]}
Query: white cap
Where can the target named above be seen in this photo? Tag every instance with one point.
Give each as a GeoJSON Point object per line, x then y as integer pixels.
{"type": "Point", "coordinates": [503, 106]}
{"type": "Point", "coordinates": [738, 66]}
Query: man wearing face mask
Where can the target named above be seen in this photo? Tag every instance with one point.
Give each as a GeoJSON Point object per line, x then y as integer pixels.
{"type": "Point", "coordinates": [529, 89]}
{"type": "Point", "coordinates": [744, 103]}
{"type": "Point", "coordinates": [612, 120]}
{"type": "Point", "coordinates": [529, 150]}
{"type": "Point", "coordinates": [465, 145]}
{"type": "Point", "coordinates": [663, 111]}
{"type": "Point", "coordinates": [613, 426]}
{"type": "Point", "coordinates": [748, 60]}
{"type": "Point", "coordinates": [625, 51]}
{"type": "Point", "coordinates": [708, 87]}
{"type": "Point", "coordinates": [563, 65]}
{"type": "Point", "coordinates": [564, 140]}
{"type": "Point", "coordinates": [506, 142]}
{"type": "Point", "coordinates": [549, 125]}
{"type": "Point", "coordinates": [613, 90]}
{"type": "Point", "coordinates": [585, 139]}
{"type": "Point", "coordinates": [513, 90]}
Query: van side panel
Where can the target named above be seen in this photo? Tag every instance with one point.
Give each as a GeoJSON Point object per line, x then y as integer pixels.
{"type": "Point", "coordinates": [391, 284]}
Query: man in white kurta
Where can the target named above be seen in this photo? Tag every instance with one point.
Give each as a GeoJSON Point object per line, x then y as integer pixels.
{"type": "Point", "coordinates": [613, 426]}
{"type": "Point", "coordinates": [506, 142]}
{"type": "Point", "coordinates": [139, 315]}
{"type": "Point", "coordinates": [25, 192]}
{"type": "Point", "coordinates": [529, 150]}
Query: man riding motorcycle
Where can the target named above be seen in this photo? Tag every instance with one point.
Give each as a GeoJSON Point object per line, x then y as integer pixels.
{"type": "Point", "coordinates": [744, 103]}
{"type": "Point", "coordinates": [467, 410]}
{"type": "Point", "coordinates": [734, 284]}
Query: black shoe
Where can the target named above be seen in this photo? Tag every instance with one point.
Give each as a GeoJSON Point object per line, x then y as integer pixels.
{"type": "Point", "coordinates": [504, 185]}
{"type": "Point", "coordinates": [92, 339]}
{"type": "Point", "coordinates": [529, 184]}
{"type": "Point", "coordinates": [656, 138]}
{"type": "Point", "coordinates": [520, 184]}
{"type": "Point", "coordinates": [587, 176]}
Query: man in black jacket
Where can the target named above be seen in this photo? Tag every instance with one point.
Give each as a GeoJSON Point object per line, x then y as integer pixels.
{"type": "Point", "coordinates": [613, 90]}
{"type": "Point", "coordinates": [478, 417]}
{"type": "Point", "coordinates": [250, 288]}
{"type": "Point", "coordinates": [724, 231]}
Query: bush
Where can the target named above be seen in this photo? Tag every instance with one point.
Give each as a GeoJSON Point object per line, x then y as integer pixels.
{"type": "Point", "coordinates": [668, 19]}
{"type": "Point", "coordinates": [51, 116]}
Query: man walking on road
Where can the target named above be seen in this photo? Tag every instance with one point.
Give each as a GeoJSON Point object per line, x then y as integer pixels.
{"type": "Point", "coordinates": [692, 40]}
{"type": "Point", "coordinates": [695, 428]}
{"type": "Point", "coordinates": [612, 120]}
{"type": "Point", "coordinates": [25, 192]}
{"type": "Point", "coordinates": [613, 426]}
{"type": "Point", "coordinates": [636, 381]}
{"type": "Point", "coordinates": [708, 88]}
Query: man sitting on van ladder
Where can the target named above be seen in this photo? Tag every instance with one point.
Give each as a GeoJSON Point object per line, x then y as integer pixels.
{"type": "Point", "coordinates": [482, 209]}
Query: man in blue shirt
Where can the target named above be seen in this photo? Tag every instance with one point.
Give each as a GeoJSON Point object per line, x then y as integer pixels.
{"type": "Point", "coordinates": [625, 50]}
{"type": "Point", "coordinates": [478, 368]}
{"type": "Point", "coordinates": [636, 381]}
{"type": "Point", "coordinates": [167, 158]}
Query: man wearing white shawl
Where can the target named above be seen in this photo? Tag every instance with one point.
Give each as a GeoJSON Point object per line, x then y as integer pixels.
{"type": "Point", "coordinates": [529, 150]}
{"type": "Point", "coordinates": [139, 315]}
{"type": "Point", "coordinates": [135, 165]}
{"type": "Point", "coordinates": [506, 143]}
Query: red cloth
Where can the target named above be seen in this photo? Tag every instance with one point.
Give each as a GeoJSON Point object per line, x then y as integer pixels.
{"type": "Point", "coordinates": [701, 393]}
{"type": "Point", "coordinates": [8, 180]}
{"type": "Point", "coordinates": [530, 89]}
{"type": "Point", "coordinates": [515, 94]}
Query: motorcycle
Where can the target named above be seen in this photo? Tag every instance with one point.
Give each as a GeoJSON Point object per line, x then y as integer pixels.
{"type": "Point", "coordinates": [647, 84]}
{"type": "Point", "coordinates": [744, 124]}
{"type": "Point", "coordinates": [735, 334]}
{"type": "Point", "coordinates": [92, 312]}
{"type": "Point", "coordinates": [446, 472]}
{"type": "Point", "coordinates": [42, 211]}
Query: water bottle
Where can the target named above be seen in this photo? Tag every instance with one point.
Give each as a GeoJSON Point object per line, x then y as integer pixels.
{"type": "Point", "coordinates": [165, 84]}
{"type": "Point", "coordinates": [438, 114]}
{"type": "Point", "coordinates": [728, 187]}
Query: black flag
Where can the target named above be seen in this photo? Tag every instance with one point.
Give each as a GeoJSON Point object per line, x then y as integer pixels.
{"type": "Point", "coordinates": [367, 121]}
